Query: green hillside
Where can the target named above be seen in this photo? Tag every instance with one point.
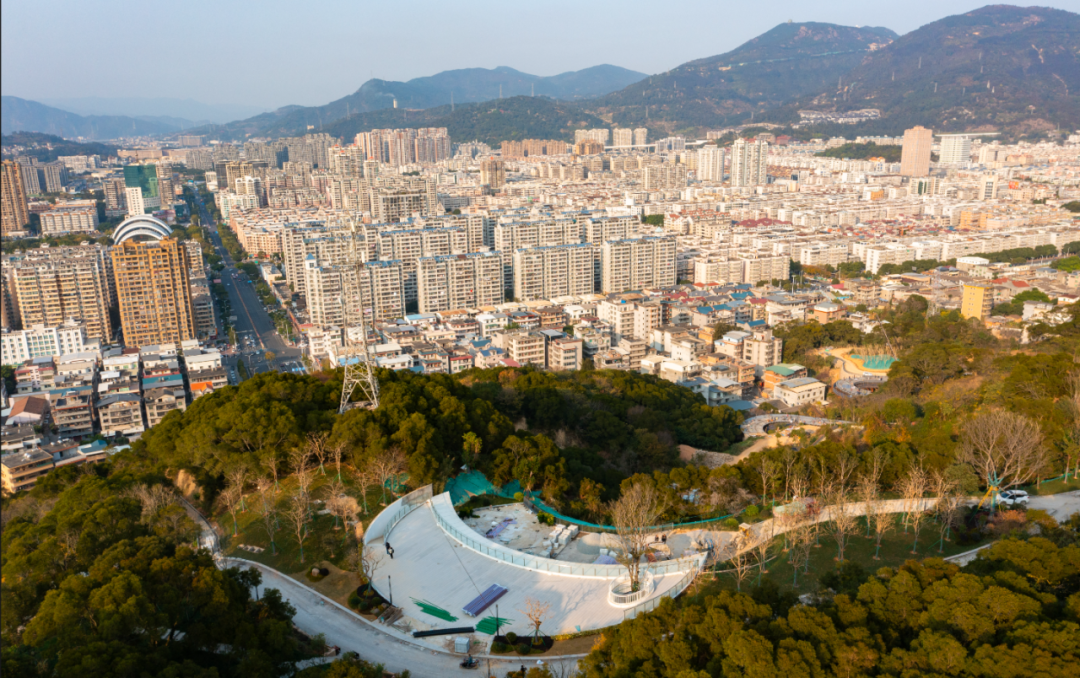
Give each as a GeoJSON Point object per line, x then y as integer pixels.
{"type": "Point", "coordinates": [789, 61]}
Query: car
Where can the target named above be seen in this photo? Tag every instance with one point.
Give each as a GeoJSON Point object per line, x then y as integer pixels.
{"type": "Point", "coordinates": [1013, 498]}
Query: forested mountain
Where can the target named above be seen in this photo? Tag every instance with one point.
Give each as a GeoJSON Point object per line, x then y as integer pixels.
{"type": "Point", "coordinates": [789, 61]}
{"type": "Point", "coordinates": [463, 86]}
{"type": "Point", "coordinates": [23, 115]}
{"type": "Point", "coordinates": [995, 67]}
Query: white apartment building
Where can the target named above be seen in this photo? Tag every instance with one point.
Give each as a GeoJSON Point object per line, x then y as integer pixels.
{"type": "Point", "coordinates": [622, 136]}
{"type": "Point", "coordinates": [69, 220]}
{"type": "Point", "coordinates": [749, 163]}
{"type": "Point", "coordinates": [548, 272]}
{"type": "Point", "coordinates": [762, 348]}
{"type": "Point", "coordinates": [458, 281]}
{"type": "Point", "coordinates": [955, 150]}
{"type": "Point", "coordinates": [637, 263]}
{"type": "Point", "coordinates": [41, 341]}
{"type": "Point", "coordinates": [601, 229]}
{"type": "Point", "coordinates": [331, 292]}
{"type": "Point", "coordinates": [710, 164]}
{"type": "Point", "coordinates": [135, 203]}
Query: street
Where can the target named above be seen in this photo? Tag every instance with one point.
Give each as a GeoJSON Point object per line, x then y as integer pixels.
{"type": "Point", "coordinates": [255, 331]}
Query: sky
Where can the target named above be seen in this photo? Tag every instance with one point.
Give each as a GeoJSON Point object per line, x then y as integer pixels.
{"type": "Point", "coordinates": [272, 53]}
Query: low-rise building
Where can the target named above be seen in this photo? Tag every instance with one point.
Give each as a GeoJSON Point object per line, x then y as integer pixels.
{"type": "Point", "coordinates": [19, 471]}
{"type": "Point", "coordinates": [801, 391]}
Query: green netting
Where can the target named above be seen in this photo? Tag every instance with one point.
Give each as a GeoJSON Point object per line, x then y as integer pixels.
{"type": "Point", "coordinates": [875, 362]}
{"type": "Point", "coordinates": [468, 485]}
{"type": "Point", "coordinates": [491, 625]}
{"type": "Point", "coordinates": [510, 489]}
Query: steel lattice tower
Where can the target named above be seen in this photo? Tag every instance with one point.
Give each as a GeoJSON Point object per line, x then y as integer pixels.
{"type": "Point", "coordinates": [359, 372]}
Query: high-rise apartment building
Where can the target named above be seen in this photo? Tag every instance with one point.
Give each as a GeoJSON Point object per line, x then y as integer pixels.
{"type": "Point", "coordinates": [749, 163]}
{"type": "Point", "coordinates": [144, 178]}
{"type": "Point", "coordinates": [637, 263]}
{"type": "Point", "coordinates": [710, 164]}
{"type": "Point", "coordinates": [915, 153]}
{"type": "Point", "coordinates": [977, 301]}
{"type": "Point", "coordinates": [493, 174]}
{"type": "Point", "coordinates": [13, 203]}
{"type": "Point", "coordinates": [154, 292]}
{"type": "Point", "coordinates": [664, 177]}
{"type": "Point", "coordinates": [57, 284]}
{"type": "Point", "coordinates": [165, 185]}
{"type": "Point", "coordinates": [460, 281]}
{"type": "Point", "coordinates": [333, 298]}
{"type": "Point", "coordinates": [641, 136]}
{"type": "Point", "coordinates": [28, 171]}
{"type": "Point", "coordinates": [51, 177]}
{"type": "Point", "coordinates": [622, 136]}
{"type": "Point", "coordinates": [600, 136]}
{"type": "Point", "coordinates": [955, 150]}
{"type": "Point", "coordinates": [115, 197]}
{"type": "Point", "coordinates": [548, 272]}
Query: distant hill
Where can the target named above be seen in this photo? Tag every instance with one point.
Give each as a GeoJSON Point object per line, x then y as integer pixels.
{"type": "Point", "coordinates": [789, 61]}
{"type": "Point", "coordinates": [186, 111]}
{"type": "Point", "coordinates": [47, 147]}
{"type": "Point", "coordinates": [24, 115]}
{"type": "Point", "coordinates": [467, 85]}
{"type": "Point", "coordinates": [520, 117]}
{"type": "Point", "coordinates": [993, 68]}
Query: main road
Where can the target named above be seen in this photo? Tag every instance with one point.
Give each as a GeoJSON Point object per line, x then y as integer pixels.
{"type": "Point", "coordinates": [253, 322]}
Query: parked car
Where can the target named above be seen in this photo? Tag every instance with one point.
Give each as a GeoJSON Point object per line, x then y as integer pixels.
{"type": "Point", "coordinates": [1013, 498]}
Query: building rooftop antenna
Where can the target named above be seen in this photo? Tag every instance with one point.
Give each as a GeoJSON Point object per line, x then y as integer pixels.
{"type": "Point", "coordinates": [359, 370]}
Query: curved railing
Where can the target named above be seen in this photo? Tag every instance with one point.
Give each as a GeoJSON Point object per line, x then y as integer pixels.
{"type": "Point", "coordinates": [392, 514]}
{"type": "Point", "coordinates": [447, 519]}
{"type": "Point", "coordinates": [621, 593]}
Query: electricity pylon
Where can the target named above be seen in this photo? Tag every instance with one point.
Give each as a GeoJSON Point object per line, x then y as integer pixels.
{"type": "Point", "coordinates": [359, 371]}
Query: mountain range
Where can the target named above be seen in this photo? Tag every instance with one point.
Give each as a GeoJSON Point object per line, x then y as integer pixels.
{"type": "Point", "coordinates": [1006, 68]}
{"type": "Point", "coordinates": [24, 115]}
{"type": "Point", "coordinates": [188, 112]}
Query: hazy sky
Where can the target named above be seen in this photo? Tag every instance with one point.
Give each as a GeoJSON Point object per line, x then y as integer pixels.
{"type": "Point", "coordinates": [271, 53]}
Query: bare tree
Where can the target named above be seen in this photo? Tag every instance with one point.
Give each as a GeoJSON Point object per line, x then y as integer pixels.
{"type": "Point", "coordinates": [869, 493]}
{"type": "Point", "coordinates": [913, 487]}
{"type": "Point", "coordinates": [846, 463]}
{"type": "Point", "coordinates": [337, 451]}
{"type": "Point", "coordinates": [800, 543]}
{"type": "Point", "coordinates": [386, 465]}
{"type": "Point", "coordinates": [230, 498]}
{"type": "Point", "coordinates": [535, 611]}
{"type": "Point", "coordinates": [741, 561]}
{"type": "Point", "coordinates": [238, 477]}
{"type": "Point", "coordinates": [317, 448]}
{"type": "Point", "coordinates": [268, 495]}
{"type": "Point", "coordinates": [1006, 449]}
{"type": "Point", "coordinates": [766, 469]}
{"type": "Point", "coordinates": [365, 561]}
{"type": "Point", "coordinates": [340, 505]}
{"type": "Point", "coordinates": [296, 515]}
{"type": "Point", "coordinates": [884, 522]}
{"type": "Point", "coordinates": [842, 521]}
{"type": "Point", "coordinates": [363, 479]}
{"type": "Point", "coordinates": [153, 498]}
{"type": "Point", "coordinates": [271, 463]}
{"type": "Point", "coordinates": [948, 505]}
{"type": "Point", "coordinates": [634, 514]}
{"type": "Point", "coordinates": [789, 459]}
{"type": "Point", "coordinates": [763, 547]}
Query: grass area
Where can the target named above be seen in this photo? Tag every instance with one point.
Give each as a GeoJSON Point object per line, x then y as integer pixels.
{"type": "Point", "coordinates": [896, 548]}
{"type": "Point", "coordinates": [324, 543]}
{"type": "Point", "coordinates": [1055, 487]}
{"type": "Point", "coordinates": [737, 449]}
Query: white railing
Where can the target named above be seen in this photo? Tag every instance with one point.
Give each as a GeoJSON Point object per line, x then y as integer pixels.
{"type": "Point", "coordinates": [622, 594]}
{"type": "Point", "coordinates": [447, 519]}
{"type": "Point", "coordinates": [653, 603]}
{"type": "Point", "coordinates": [392, 515]}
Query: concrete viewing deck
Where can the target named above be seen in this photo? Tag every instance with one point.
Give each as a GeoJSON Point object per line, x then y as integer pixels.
{"type": "Point", "coordinates": [433, 570]}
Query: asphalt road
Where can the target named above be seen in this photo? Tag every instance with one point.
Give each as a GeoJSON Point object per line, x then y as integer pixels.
{"type": "Point", "coordinates": [253, 322]}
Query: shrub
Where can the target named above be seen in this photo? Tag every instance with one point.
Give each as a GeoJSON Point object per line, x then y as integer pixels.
{"type": "Point", "coordinates": [545, 518]}
{"type": "Point", "coordinates": [511, 638]}
{"type": "Point", "coordinates": [731, 524]}
{"type": "Point", "coordinates": [499, 646]}
{"type": "Point", "coordinates": [518, 496]}
{"type": "Point", "coordinates": [354, 600]}
{"type": "Point", "coordinates": [524, 648]}
{"type": "Point", "coordinates": [751, 511]}
{"type": "Point", "coordinates": [323, 571]}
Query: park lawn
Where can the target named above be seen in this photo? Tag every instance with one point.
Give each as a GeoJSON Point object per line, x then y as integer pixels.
{"type": "Point", "coordinates": [1056, 487]}
{"type": "Point", "coordinates": [896, 548]}
{"type": "Point", "coordinates": [323, 541]}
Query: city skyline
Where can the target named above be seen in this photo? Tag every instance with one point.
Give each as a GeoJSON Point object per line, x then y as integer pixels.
{"type": "Point", "coordinates": [199, 73]}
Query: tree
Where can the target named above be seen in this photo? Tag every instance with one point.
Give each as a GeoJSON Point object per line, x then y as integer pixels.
{"type": "Point", "coordinates": [271, 462]}
{"type": "Point", "coordinates": [947, 506]}
{"type": "Point", "coordinates": [634, 515]}
{"type": "Point", "coordinates": [1005, 448]}
{"type": "Point", "coordinates": [472, 446]}
{"type": "Point", "coordinates": [337, 450]}
{"type": "Point", "coordinates": [913, 488]}
{"type": "Point", "coordinates": [270, 357]}
{"type": "Point", "coordinates": [317, 448]}
{"type": "Point", "coordinates": [230, 497]}
{"type": "Point", "coordinates": [238, 476]}
{"type": "Point", "coordinates": [722, 328]}
{"type": "Point", "coordinates": [268, 495]}
{"type": "Point", "coordinates": [386, 466]}
{"type": "Point", "coordinates": [766, 469]}
{"type": "Point", "coordinates": [883, 524]}
{"type": "Point", "coordinates": [841, 520]}
{"type": "Point", "coordinates": [741, 561]}
{"type": "Point", "coordinates": [296, 515]}
{"type": "Point", "coordinates": [366, 561]}
{"type": "Point", "coordinates": [535, 611]}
